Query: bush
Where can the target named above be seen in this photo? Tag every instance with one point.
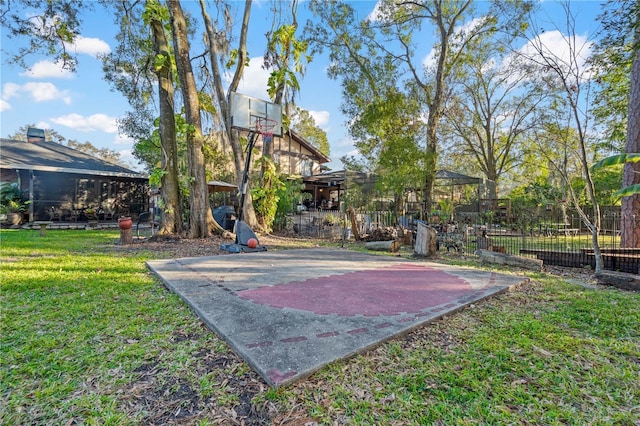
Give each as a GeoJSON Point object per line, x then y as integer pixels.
{"type": "Point", "coordinates": [11, 199]}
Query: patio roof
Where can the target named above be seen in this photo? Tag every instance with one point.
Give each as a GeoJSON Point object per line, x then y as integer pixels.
{"type": "Point", "coordinates": [443, 177]}
{"type": "Point", "coordinates": [55, 157]}
{"type": "Point", "coordinates": [220, 186]}
{"type": "Point", "coordinates": [454, 178]}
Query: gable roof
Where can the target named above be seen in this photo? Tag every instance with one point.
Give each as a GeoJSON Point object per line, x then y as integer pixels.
{"type": "Point", "coordinates": [306, 144]}
{"type": "Point", "coordinates": [54, 157]}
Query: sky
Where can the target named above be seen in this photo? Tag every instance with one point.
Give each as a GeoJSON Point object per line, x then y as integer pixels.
{"type": "Point", "coordinates": [82, 105]}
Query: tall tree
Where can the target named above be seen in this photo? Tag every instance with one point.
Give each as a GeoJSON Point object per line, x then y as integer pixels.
{"type": "Point", "coordinates": [631, 176]}
{"type": "Point", "coordinates": [286, 57]}
{"type": "Point", "coordinates": [611, 61]}
{"type": "Point", "coordinates": [220, 56]}
{"type": "Point", "coordinates": [381, 51]}
{"type": "Point", "coordinates": [617, 63]}
{"type": "Point", "coordinates": [384, 115]}
{"type": "Point", "coordinates": [155, 16]}
{"type": "Point", "coordinates": [201, 220]}
{"type": "Point", "coordinates": [140, 65]}
{"type": "Point", "coordinates": [445, 17]}
{"type": "Point", "coordinates": [491, 109]}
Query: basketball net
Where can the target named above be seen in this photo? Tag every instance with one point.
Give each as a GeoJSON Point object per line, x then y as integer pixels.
{"type": "Point", "coordinates": [265, 127]}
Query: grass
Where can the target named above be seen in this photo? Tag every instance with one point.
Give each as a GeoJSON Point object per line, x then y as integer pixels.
{"type": "Point", "coordinates": [78, 321]}
{"type": "Point", "coordinates": [550, 243]}
{"type": "Point", "coordinates": [89, 336]}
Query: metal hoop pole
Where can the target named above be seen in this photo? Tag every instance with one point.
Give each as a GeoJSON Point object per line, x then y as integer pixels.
{"type": "Point", "coordinates": [245, 176]}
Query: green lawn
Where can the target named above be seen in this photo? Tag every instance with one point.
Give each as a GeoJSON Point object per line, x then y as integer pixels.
{"type": "Point", "coordinates": [89, 336]}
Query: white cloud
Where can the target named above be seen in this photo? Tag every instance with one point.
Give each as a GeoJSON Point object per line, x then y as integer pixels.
{"type": "Point", "coordinates": [47, 69]}
{"type": "Point", "coordinates": [90, 46]}
{"type": "Point", "coordinates": [429, 60]}
{"type": "Point", "coordinates": [254, 79]}
{"type": "Point", "coordinates": [121, 139]}
{"type": "Point", "coordinates": [9, 90]}
{"type": "Point", "coordinates": [321, 118]}
{"type": "Point", "coordinates": [43, 125]}
{"type": "Point", "coordinates": [461, 32]}
{"type": "Point", "coordinates": [92, 123]}
{"type": "Point", "coordinates": [556, 45]}
{"type": "Point", "coordinates": [39, 92]}
{"type": "Point", "coordinates": [4, 105]}
{"type": "Point", "coordinates": [376, 14]}
{"type": "Point", "coordinates": [42, 92]}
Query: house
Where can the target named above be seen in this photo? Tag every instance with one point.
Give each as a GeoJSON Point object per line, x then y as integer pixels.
{"type": "Point", "coordinates": [65, 184]}
{"type": "Point", "coordinates": [292, 153]}
{"type": "Point", "coordinates": [296, 156]}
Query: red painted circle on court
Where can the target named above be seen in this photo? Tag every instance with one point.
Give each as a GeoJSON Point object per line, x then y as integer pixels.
{"type": "Point", "coordinates": [402, 288]}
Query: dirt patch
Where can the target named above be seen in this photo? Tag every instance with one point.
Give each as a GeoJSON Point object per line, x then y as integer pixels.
{"type": "Point", "coordinates": [176, 247]}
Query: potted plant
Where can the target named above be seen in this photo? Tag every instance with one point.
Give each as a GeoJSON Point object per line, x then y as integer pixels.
{"type": "Point", "coordinates": [91, 214]}
{"type": "Point", "coordinates": [12, 202]}
{"type": "Point", "coordinates": [92, 217]}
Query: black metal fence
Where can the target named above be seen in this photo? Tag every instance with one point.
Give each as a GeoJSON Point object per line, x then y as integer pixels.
{"type": "Point", "coordinates": [563, 239]}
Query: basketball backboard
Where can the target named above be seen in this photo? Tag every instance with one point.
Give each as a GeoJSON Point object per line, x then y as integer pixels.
{"type": "Point", "coordinates": [245, 110]}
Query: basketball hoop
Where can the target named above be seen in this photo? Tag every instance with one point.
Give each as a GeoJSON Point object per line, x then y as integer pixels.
{"type": "Point", "coordinates": [265, 127]}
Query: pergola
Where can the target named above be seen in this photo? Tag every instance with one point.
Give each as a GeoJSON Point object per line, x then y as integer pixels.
{"type": "Point", "coordinates": [336, 181]}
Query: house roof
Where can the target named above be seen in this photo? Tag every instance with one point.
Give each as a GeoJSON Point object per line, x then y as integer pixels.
{"type": "Point", "coordinates": [302, 141]}
{"type": "Point", "coordinates": [54, 157]}
{"type": "Point", "coordinates": [453, 178]}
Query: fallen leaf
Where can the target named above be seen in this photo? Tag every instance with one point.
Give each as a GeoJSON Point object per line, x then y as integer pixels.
{"type": "Point", "coordinates": [542, 352]}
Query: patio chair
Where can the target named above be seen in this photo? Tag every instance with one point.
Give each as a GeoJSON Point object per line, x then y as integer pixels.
{"type": "Point", "coordinates": [145, 218]}
{"type": "Point", "coordinates": [54, 214]}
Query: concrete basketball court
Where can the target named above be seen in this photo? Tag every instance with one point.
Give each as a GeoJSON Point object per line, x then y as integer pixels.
{"type": "Point", "coordinates": [290, 312]}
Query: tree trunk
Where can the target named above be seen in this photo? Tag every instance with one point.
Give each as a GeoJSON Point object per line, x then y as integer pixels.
{"type": "Point", "coordinates": [391, 246]}
{"type": "Point", "coordinates": [426, 240]}
{"type": "Point", "coordinates": [200, 217]}
{"type": "Point", "coordinates": [619, 280]}
{"type": "Point", "coordinates": [170, 190]}
{"type": "Point", "coordinates": [229, 135]}
{"type": "Point", "coordinates": [488, 256]}
{"type": "Point", "coordinates": [435, 104]}
{"type": "Point", "coordinates": [630, 226]}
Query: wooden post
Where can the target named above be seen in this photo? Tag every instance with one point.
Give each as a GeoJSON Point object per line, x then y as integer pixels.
{"type": "Point", "coordinates": [126, 236]}
{"type": "Point", "coordinates": [354, 224]}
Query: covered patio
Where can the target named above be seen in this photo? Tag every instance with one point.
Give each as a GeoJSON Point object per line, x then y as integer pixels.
{"type": "Point", "coordinates": [65, 185]}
